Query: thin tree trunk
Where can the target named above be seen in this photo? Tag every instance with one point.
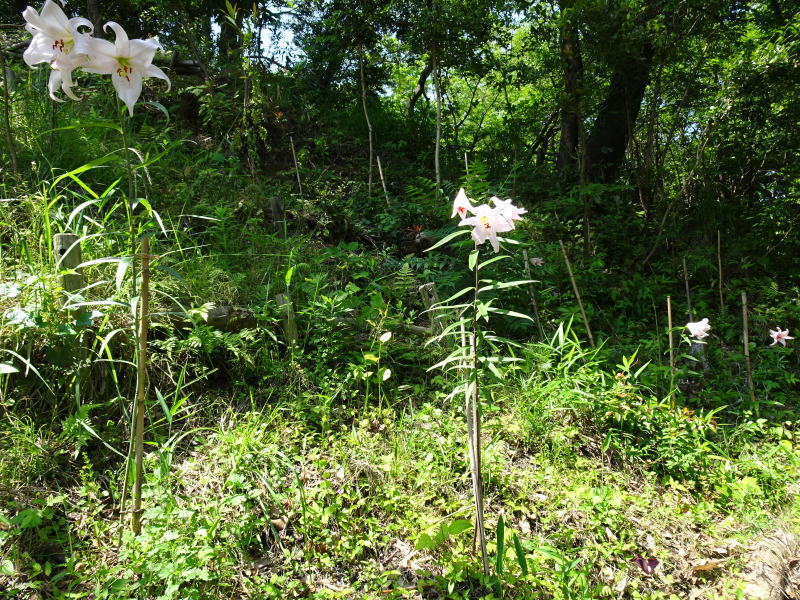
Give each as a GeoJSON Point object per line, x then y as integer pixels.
{"type": "Point", "coordinates": [7, 115]}
{"type": "Point", "coordinates": [437, 86]}
{"type": "Point", "coordinates": [748, 365]}
{"type": "Point", "coordinates": [366, 117]}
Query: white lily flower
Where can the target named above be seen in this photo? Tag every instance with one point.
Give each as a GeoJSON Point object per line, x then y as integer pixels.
{"type": "Point", "coordinates": [699, 329]}
{"type": "Point", "coordinates": [127, 61]}
{"type": "Point", "coordinates": [508, 210]}
{"type": "Point", "coordinates": [58, 41]}
{"type": "Point", "coordinates": [537, 261]}
{"type": "Point", "coordinates": [461, 205]}
{"type": "Point", "coordinates": [779, 336]}
{"type": "Point", "coordinates": [486, 224]}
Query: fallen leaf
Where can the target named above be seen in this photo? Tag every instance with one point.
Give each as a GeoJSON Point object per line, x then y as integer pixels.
{"type": "Point", "coordinates": [708, 566]}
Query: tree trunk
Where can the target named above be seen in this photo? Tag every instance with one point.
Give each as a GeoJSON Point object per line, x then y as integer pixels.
{"type": "Point", "coordinates": [572, 67]}
{"type": "Point", "coordinates": [614, 125]}
{"type": "Point", "coordinates": [419, 89]}
{"type": "Point", "coordinates": [93, 14]}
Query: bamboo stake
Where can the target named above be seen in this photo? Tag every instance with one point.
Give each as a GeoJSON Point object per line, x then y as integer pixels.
{"type": "Point", "coordinates": [6, 116]}
{"type": "Point", "coordinates": [366, 117]}
{"type": "Point", "coordinates": [577, 294]}
{"type": "Point", "coordinates": [748, 366]}
{"type": "Point", "coordinates": [719, 268]}
{"type": "Point", "coordinates": [383, 181]}
{"type": "Point", "coordinates": [533, 293]}
{"type": "Point", "coordinates": [466, 164]}
{"type": "Point", "coordinates": [296, 168]}
{"type": "Point", "coordinates": [141, 383]}
{"type": "Point", "coordinates": [477, 476]}
{"type": "Point", "coordinates": [671, 342]}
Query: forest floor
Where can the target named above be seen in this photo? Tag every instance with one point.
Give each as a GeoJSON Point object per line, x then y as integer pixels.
{"type": "Point", "coordinates": [308, 498]}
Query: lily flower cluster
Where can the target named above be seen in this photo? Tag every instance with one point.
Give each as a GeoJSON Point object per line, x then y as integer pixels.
{"type": "Point", "coordinates": [67, 44]}
{"type": "Point", "coordinates": [488, 221]}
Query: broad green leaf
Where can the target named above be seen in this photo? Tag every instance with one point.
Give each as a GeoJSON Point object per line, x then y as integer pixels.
{"type": "Point", "coordinates": [473, 259]}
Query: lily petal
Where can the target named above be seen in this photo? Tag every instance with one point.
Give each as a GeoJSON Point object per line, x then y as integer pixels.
{"type": "Point", "coordinates": [128, 88]}
{"type": "Point", "coordinates": [38, 51]}
{"type": "Point", "coordinates": [121, 40]}
{"type": "Point", "coordinates": [154, 71]}
{"type": "Point", "coordinates": [54, 83]}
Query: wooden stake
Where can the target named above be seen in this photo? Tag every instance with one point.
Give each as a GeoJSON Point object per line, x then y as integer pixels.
{"type": "Point", "coordinates": [296, 168]}
{"type": "Point", "coordinates": [577, 294]}
{"type": "Point", "coordinates": [67, 250]}
{"type": "Point", "coordinates": [748, 366]}
{"type": "Point", "coordinates": [141, 387]}
{"type": "Point", "coordinates": [532, 289]}
{"type": "Point", "coordinates": [475, 415]}
{"type": "Point", "coordinates": [719, 268]}
{"type": "Point", "coordinates": [289, 321]}
{"type": "Point", "coordinates": [6, 115]}
{"type": "Point", "coordinates": [383, 182]}
{"type": "Point", "coordinates": [466, 164]}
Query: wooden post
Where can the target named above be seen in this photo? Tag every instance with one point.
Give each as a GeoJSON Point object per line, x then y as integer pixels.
{"type": "Point", "coordinates": [532, 289]}
{"type": "Point", "coordinates": [748, 366]}
{"type": "Point", "coordinates": [296, 168]}
{"type": "Point", "coordinates": [688, 293]}
{"type": "Point", "coordinates": [289, 321]}
{"type": "Point", "coordinates": [719, 268]}
{"type": "Point", "coordinates": [430, 297]}
{"type": "Point", "coordinates": [577, 294]}
{"type": "Point", "coordinates": [141, 387]}
{"type": "Point", "coordinates": [7, 116]}
{"type": "Point", "coordinates": [383, 182]}
{"type": "Point", "coordinates": [67, 251]}
{"type": "Point", "coordinates": [278, 215]}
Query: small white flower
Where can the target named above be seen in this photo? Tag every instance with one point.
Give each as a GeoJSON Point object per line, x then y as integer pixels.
{"type": "Point", "coordinates": [508, 210]}
{"type": "Point", "coordinates": [699, 329]}
{"type": "Point", "coordinates": [57, 41]}
{"type": "Point", "coordinates": [779, 336]}
{"type": "Point", "coordinates": [486, 224]}
{"type": "Point", "coordinates": [127, 61]}
{"type": "Point", "coordinates": [537, 262]}
{"type": "Point", "coordinates": [461, 205]}
{"type": "Point", "coordinates": [385, 337]}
